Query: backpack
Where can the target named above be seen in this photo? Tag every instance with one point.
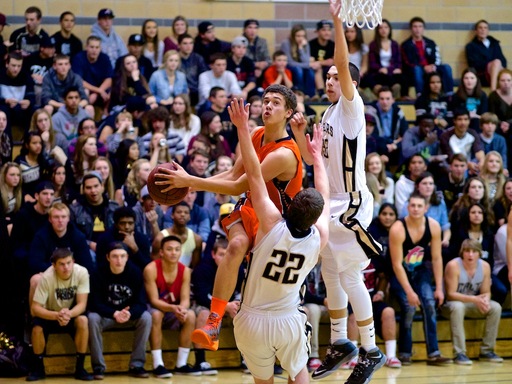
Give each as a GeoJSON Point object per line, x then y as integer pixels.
{"type": "Point", "coordinates": [14, 356]}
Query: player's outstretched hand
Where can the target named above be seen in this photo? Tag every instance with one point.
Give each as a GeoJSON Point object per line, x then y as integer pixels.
{"type": "Point", "coordinates": [315, 144]}
{"type": "Point", "coordinates": [335, 7]}
{"type": "Point", "coordinates": [173, 178]}
{"type": "Point", "coordinates": [239, 113]}
{"type": "Point", "coordinates": [298, 124]}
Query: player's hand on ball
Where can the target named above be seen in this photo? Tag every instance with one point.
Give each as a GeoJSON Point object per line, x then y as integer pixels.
{"type": "Point", "coordinates": [173, 178]}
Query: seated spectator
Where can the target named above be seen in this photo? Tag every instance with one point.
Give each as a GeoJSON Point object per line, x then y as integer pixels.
{"type": "Point", "coordinates": [218, 76]}
{"type": "Point", "coordinates": [16, 91]}
{"type": "Point", "coordinates": [55, 144]}
{"type": "Point", "coordinates": [414, 265]}
{"type": "Point", "coordinates": [296, 48]}
{"type": "Point", "coordinates": [10, 193]}
{"type": "Point", "coordinates": [374, 165]}
{"type": "Point", "coordinates": [192, 65]}
{"type": "Point", "coordinates": [468, 294]}
{"type": "Point", "coordinates": [191, 248]}
{"type": "Point", "coordinates": [137, 178]}
{"type": "Point", "coordinates": [433, 100]}
{"type": "Point", "coordinates": [149, 217]}
{"type": "Point", "coordinates": [167, 283]}
{"type": "Point", "coordinates": [111, 43]}
{"type": "Point", "coordinates": [5, 140]}
{"type": "Point", "coordinates": [60, 78]}
{"type": "Point", "coordinates": [211, 128]}
{"type": "Point", "coordinates": [422, 138]}
{"type": "Point", "coordinates": [129, 83]}
{"type": "Point", "coordinates": [322, 47]}
{"type": "Point", "coordinates": [109, 309]}
{"type": "Point", "coordinates": [357, 49]}
{"type": "Point", "coordinates": [66, 43]}
{"type": "Point", "coordinates": [198, 166]}
{"type": "Point", "coordinates": [500, 102]}
{"type": "Point", "coordinates": [452, 183]}
{"type": "Point", "coordinates": [167, 82]}
{"type": "Point", "coordinates": [103, 166]}
{"type": "Point", "coordinates": [179, 27]}
{"type": "Point", "coordinates": [420, 56]}
{"type": "Point", "coordinates": [34, 166]}
{"type": "Point", "coordinates": [471, 96]}
{"type": "Point", "coordinates": [125, 128]}
{"type": "Point", "coordinates": [183, 122]}
{"type": "Point", "coordinates": [385, 61]}
{"type": "Point", "coordinates": [277, 72]}
{"type": "Point", "coordinates": [256, 108]}
{"type": "Point", "coordinates": [462, 139]}
{"type": "Point", "coordinates": [485, 55]}
{"type": "Point", "coordinates": [59, 305]}
{"type": "Point", "coordinates": [502, 241]}
{"type": "Point", "coordinates": [502, 205]}
{"type": "Point", "coordinates": [123, 230]}
{"type": "Point", "coordinates": [58, 180]}
{"type": "Point", "coordinates": [242, 66]}
{"type": "Point", "coordinates": [135, 106]}
{"type": "Point", "coordinates": [390, 125]}
{"type": "Point", "coordinates": [206, 44]}
{"type": "Point", "coordinates": [86, 154]}
{"type": "Point", "coordinates": [217, 231]}
{"type": "Point", "coordinates": [153, 46]}
{"type": "Point", "coordinates": [95, 69]}
{"type": "Point", "coordinates": [27, 39]}
{"type": "Point", "coordinates": [70, 114]}
{"type": "Point", "coordinates": [122, 162]}
{"type": "Point", "coordinates": [92, 212]}
{"type": "Point", "coordinates": [136, 49]}
{"type": "Point", "coordinates": [493, 174]}
{"type": "Point", "coordinates": [202, 282]}
{"type": "Point", "coordinates": [257, 48]}
{"type": "Point", "coordinates": [87, 127]}
{"type": "Point", "coordinates": [405, 183]}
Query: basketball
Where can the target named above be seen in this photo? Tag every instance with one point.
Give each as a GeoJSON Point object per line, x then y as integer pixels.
{"type": "Point", "coordinates": [171, 197]}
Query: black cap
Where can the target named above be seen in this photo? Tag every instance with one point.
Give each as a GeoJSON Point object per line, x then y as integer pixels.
{"type": "Point", "coordinates": [323, 23]}
{"type": "Point", "coordinates": [44, 185]}
{"type": "Point", "coordinates": [136, 39]}
{"type": "Point", "coordinates": [204, 26]}
{"type": "Point", "coordinates": [47, 42]}
{"type": "Point", "coordinates": [106, 12]}
{"type": "Point", "coordinates": [251, 21]}
{"type": "Point", "coordinates": [370, 118]}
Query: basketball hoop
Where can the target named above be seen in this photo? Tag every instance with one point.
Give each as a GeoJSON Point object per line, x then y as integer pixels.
{"type": "Point", "coordinates": [361, 13]}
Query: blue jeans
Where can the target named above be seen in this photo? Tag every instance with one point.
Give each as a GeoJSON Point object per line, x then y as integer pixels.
{"type": "Point", "coordinates": [421, 283]}
{"type": "Point", "coordinates": [444, 70]}
{"type": "Point", "coordinates": [304, 79]}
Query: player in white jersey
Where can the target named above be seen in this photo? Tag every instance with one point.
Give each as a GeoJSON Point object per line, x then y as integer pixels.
{"type": "Point", "coordinates": [350, 246]}
{"type": "Point", "coordinates": [270, 323]}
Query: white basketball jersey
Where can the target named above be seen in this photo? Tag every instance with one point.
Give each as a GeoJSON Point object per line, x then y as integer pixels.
{"type": "Point", "coordinates": [278, 266]}
{"type": "Point", "coordinates": [344, 145]}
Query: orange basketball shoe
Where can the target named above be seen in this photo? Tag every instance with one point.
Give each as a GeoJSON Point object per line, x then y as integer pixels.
{"type": "Point", "coordinates": [207, 337]}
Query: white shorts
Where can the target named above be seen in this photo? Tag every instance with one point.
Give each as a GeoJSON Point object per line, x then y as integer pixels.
{"type": "Point", "coordinates": [349, 240]}
{"type": "Point", "coordinates": [262, 336]}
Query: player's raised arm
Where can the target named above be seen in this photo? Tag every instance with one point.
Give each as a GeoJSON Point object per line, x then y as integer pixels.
{"type": "Point", "coordinates": [321, 181]}
{"type": "Point", "coordinates": [266, 211]}
{"type": "Point", "coordinates": [341, 59]}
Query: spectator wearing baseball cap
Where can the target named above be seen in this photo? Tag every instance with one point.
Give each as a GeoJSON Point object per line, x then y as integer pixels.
{"type": "Point", "coordinates": [27, 39]}
{"type": "Point", "coordinates": [111, 43]}
{"type": "Point", "coordinates": [136, 48]}
{"type": "Point", "coordinates": [206, 44]}
{"type": "Point", "coordinates": [322, 47]}
{"type": "Point", "coordinates": [257, 47]}
{"type": "Point", "coordinates": [242, 66]}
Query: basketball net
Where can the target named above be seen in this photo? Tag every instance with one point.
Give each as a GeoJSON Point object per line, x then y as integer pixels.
{"type": "Point", "coordinates": [361, 13]}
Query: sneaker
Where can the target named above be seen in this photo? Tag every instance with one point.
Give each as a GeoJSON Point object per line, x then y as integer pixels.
{"type": "Point", "coordinates": [349, 364]}
{"type": "Point", "coordinates": [138, 372]}
{"type": "Point", "coordinates": [462, 359]}
{"type": "Point", "coordinates": [314, 363]}
{"type": "Point", "coordinates": [206, 369]}
{"type": "Point", "coordinates": [37, 372]}
{"type": "Point", "coordinates": [490, 357]}
{"type": "Point", "coordinates": [367, 364]}
{"type": "Point", "coordinates": [187, 370]}
{"type": "Point", "coordinates": [338, 353]}
{"type": "Point", "coordinates": [393, 362]}
{"type": "Point", "coordinates": [277, 369]}
{"type": "Point", "coordinates": [405, 360]}
{"type": "Point", "coordinates": [244, 369]}
{"type": "Point", "coordinates": [439, 360]}
{"type": "Point", "coordinates": [82, 374]}
{"type": "Point", "coordinates": [161, 372]}
{"type": "Point", "coordinates": [98, 373]}
{"type": "Point", "coordinates": [207, 337]}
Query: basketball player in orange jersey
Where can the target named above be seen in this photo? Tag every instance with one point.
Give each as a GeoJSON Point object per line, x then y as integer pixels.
{"type": "Point", "coordinates": [282, 170]}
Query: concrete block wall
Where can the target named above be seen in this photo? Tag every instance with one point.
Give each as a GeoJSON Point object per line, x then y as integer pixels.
{"type": "Point", "coordinates": [449, 22]}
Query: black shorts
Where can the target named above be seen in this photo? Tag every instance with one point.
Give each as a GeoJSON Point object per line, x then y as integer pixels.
{"type": "Point", "coordinates": [53, 326]}
{"type": "Point", "coordinates": [377, 307]}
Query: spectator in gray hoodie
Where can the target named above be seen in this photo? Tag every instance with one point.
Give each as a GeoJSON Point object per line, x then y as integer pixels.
{"type": "Point", "coordinates": [68, 116]}
{"type": "Point", "coordinates": [111, 43]}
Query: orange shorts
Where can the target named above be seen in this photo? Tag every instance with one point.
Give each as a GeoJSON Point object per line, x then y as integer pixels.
{"type": "Point", "coordinates": [243, 213]}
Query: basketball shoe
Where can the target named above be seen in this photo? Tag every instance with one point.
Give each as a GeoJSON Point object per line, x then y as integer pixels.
{"type": "Point", "coordinates": [207, 337]}
{"type": "Point", "coordinates": [338, 353]}
{"type": "Point", "coordinates": [367, 364]}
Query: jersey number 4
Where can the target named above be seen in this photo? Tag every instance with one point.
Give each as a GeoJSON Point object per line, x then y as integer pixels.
{"type": "Point", "coordinates": [284, 268]}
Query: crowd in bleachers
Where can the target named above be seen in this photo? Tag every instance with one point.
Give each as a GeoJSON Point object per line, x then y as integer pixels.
{"type": "Point", "coordinates": [97, 116]}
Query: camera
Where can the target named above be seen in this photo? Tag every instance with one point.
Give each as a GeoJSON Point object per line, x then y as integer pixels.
{"type": "Point", "coordinates": [131, 129]}
{"type": "Point", "coordinates": [162, 142]}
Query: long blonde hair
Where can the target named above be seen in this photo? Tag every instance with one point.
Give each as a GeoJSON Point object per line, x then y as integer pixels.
{"type": "Point", "coordinates": [4, 189]}
{"type": "Point", "coordinates": [169, 53]}
{"type": "Point", "coordinates": [34, 128]}
{"type": "Point", "coordinates": [381, 177]}
{"type": "Point", "coordinates": [133, 182]}
{"type": "Point", "coordinates": [500, 176]}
